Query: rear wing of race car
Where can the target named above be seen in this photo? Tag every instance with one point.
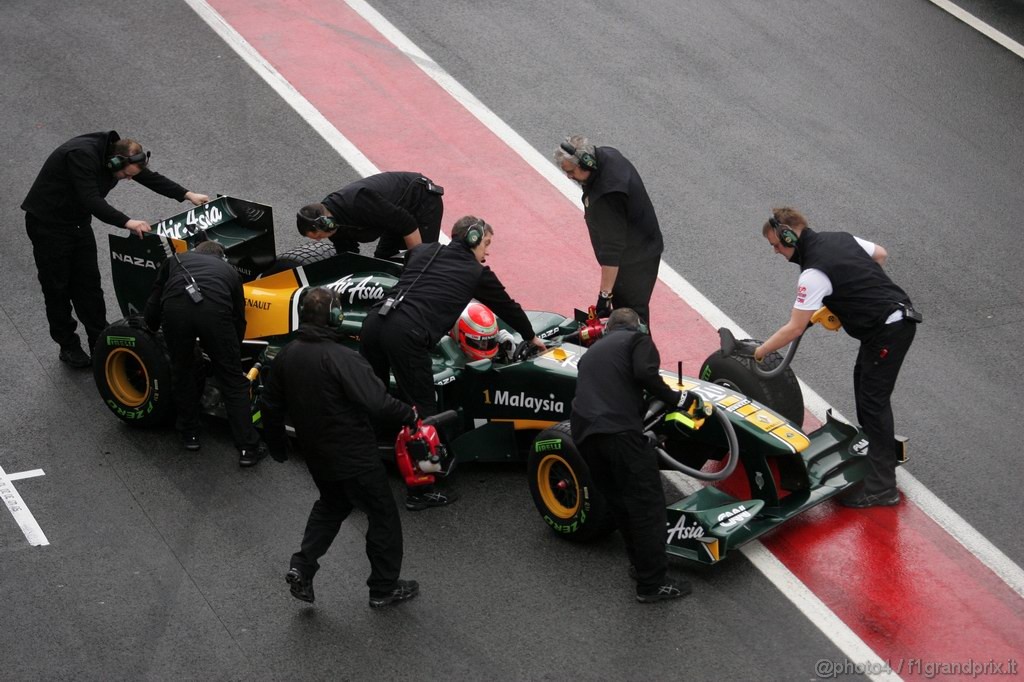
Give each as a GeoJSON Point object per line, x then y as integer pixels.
{"type": "Point", "coordinates": [244, 228]}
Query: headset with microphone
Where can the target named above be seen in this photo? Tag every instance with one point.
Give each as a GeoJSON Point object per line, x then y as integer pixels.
{"type": "Point", "coordinates": [585, 159]}
{"type": "Point", "coordinates": [786, 234]}
{"type": "Point", "coordinates": [119, 162]}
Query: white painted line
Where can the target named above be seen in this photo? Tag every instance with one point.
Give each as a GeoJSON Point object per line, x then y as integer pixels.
{"type": "Point", "coordinates": [980, 26]}
{"type": "Point", "coordinates": [33, 533]}
{"type": "Point", "coordinates": [964, 533]}
{"type": "Point", "coordinates": [25, 474]}
{"type": "Point", "coordinates": [289, 94]}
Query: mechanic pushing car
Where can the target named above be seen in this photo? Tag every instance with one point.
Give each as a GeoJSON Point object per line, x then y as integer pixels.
{"type": "Point", "coordinates": [329, 392]}
{"type": "Point", "coordinates": [845, 274]}
{"type": "Point", "coordinates": [199, 295]}
{"type": "Point", "coordinates": [623, 227]}
{"type": "Point", "coordinates": [434, 289]}
{"type": "Point", "coordinates": [70, 189]}
{"type": "Point", "coordinates": [607, 425]}
{"type": "Point", "coordinates": [400, 209]}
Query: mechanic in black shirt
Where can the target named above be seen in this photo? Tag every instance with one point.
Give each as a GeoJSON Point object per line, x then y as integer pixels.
{"type": "Point", "coordinates": [435, 287]}
{"type": "Point", "coordinates": [329, 392]}
{"type": "Point", "coordinates": [607, 426]}
{"type": "Point", "coordinates": [218, 320]}
{"type": "Point", "coordinates": [623, 227]}
{"type": "Point", "coordinates": [69, 190]}
{"type": "Point", "coordinates": [400, 209]}
{"type": "Point", "coordinates": [844, 273]}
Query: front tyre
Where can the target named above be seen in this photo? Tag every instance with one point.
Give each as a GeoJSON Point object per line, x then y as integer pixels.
{"type": "Point", "coordinates": [133, 374]}
{"type": "Point", "coordinates": [563, 490]}
{"type": "Point", "coordinates": [781, 393]}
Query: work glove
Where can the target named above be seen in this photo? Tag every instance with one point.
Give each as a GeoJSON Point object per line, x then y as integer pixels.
{"type": "Point", "coordinates": [414, 421]}
{"type": "Point", "coordinates": [604, 305]}
{"type": "Point", "coordinates": [691, 411]}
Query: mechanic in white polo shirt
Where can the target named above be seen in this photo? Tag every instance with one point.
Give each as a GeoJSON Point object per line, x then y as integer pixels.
{"type": "Point", "coordinates": [845, 274]}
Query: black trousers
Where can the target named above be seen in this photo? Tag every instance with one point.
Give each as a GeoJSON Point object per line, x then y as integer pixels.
{"type": "Point", "coordinates": [65, 258]}
{"type": "Point", "coordinates": [874, 378]}
{"type": "Point", "coordinates": [372, 493]}
{"type": "Point", "coordinates": [394, 344]}
{"type": "Point", "coordinates": [634, 286]}
{"type": "Point", "coordinates": [427, 208]}
{"type": "Point", "coordinates": [214, 326]}
{"type": "Point", "coordinates": [625, 470]}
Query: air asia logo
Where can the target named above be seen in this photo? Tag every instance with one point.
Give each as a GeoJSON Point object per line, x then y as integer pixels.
{"type": "Point", "coordinates": [126, 341]}
{"type": "Point", "coordinates": [801, 294]}
{"type": "Point", "coordinates": [549, 404]}
{"type": "Point", "coordinates": [684, 531]}
{"type": "Point", "coordinates": [196, 220]}
{"type": "Point", "coordinates": [734, 516]}
{"type": "Point", "coordinates": [253, 303]}
{"type": "Point", "coordinates": [133, 260]}
{"type": "Point", "coordinates": [362, 290]}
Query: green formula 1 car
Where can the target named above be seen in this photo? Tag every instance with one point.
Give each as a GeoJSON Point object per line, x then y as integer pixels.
{"type": "Point", "coordinates": [510, 408]}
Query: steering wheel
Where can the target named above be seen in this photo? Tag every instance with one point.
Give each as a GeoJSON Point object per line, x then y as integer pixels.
{"type": "Point", "coordinates": [524, 350]}
{"type": "Point", "coordinates": [656, 412]}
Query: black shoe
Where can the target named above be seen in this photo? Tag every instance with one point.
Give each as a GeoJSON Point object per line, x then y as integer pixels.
{"type": "Point", "coordinates": [251, 456]}
{"type": "Point", "coordinates": [190, 440]}
{"type": "Point", "coordinates": [404, 589]}
{"type": "Point", "coordinates": [301, 587]}
{"type": "Point", "coordinates": [76, 357]}
{"type": "Point", "coordinates": [427, 500]}
{"type": "Point", "coordinates": [862, 500]}
{"type": "Point", "coordinates": [672, 589]}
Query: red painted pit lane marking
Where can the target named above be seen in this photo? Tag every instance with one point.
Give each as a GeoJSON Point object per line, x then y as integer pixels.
{"type": "Point", "coordinates": [892, 575]}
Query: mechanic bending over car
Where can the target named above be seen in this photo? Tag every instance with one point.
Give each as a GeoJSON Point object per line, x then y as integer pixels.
{"type": "Point", "coordinates": [623, 227]}
{"type": "Point", "coordinates": [607, 426]}
{"type": "Point", "coordinates": [199, 294]}
{"type": "Point", "coordinates": [434, 289]}
{"type": "Point", "coordinates": [70, 189]}
{"type": "Point", "coordinates": [329, 392]}
{"type": "Point", "coordinates": [845, 274]}
{"type": "Point", "coordinates": [400, 209]}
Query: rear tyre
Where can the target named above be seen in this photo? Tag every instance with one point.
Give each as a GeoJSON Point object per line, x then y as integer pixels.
{"type": "Point", "coordinates": [132, 371]}
{"type": "Point", "coordinates": [306, 254]}
{"type": "Point", "coordinates": [562, 489]}
{"type": "Point", "coordinates": [781, 393]}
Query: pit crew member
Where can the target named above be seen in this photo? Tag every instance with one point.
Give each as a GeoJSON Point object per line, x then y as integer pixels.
{"type": "Point", "coordinates": [329, 393]}
{"type": "Point", "coordinates": [845, 274]}
{"type": "Point", "coordinates": [70, 189]}
{"type": "Point", "coordinates": [436, 285]}
{"type": "Point", "coordinates": [400, 209]}
{"type": "Point", "coordinates": [199, 294]}
{"type": "Point", "coordinates": [607, 425]}
{"type": "Point", "coordinates": [624, 229]}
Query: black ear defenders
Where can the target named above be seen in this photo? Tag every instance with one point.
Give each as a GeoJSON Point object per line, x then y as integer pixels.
{"type": "Point", "coordinates": [324, 223]}
{"type": "Point", "coordinates": [585, 159]}
{"type": "Point", "coordinates": [787, 236]}
{"type": "Point", "coordinates": [118, 162]}
{"type": "Point", "coordinates": [335, 314]}
{"type": "Point", "coordinates": [474, 234]}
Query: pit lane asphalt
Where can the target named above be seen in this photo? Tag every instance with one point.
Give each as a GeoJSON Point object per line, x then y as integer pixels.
{"type": "Point", "coordinates": [166, 564]}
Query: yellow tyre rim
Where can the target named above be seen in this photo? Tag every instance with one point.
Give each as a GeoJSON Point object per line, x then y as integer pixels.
{"type": "Point", "coordinates": [558, 486]}
{"type": "Point", "coordinates": [127, 377]}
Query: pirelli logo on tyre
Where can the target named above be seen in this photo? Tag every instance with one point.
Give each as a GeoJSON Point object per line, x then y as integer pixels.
{"type": "Point", "coordinates": [548, 445]}
{"type": "Point", "coordinates": [123, 341]}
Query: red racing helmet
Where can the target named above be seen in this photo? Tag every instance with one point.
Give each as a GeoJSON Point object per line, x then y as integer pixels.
{"type": "Point", "coordinates": [477, 332]}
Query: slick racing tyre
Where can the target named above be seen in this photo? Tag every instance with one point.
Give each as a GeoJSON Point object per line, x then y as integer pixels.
{"type": "Point", "coordinates": [133, 374]}
{"type": "Point", "coordinates": [781, 393]}
{"type": "Point", "coordinates": [305, 254]}
{"type": "Point", "coordinates": [562, 489]}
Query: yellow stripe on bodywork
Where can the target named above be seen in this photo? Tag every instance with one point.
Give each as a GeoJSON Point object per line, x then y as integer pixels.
{"type": "Point", "coordinates": [268, 303]}
{"type": "Point", "coordinates": [791, 437]}
{"type": "Point", "coordinates": [674, 383]}
{"type": "Point", "coordinates": [527, 424]}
